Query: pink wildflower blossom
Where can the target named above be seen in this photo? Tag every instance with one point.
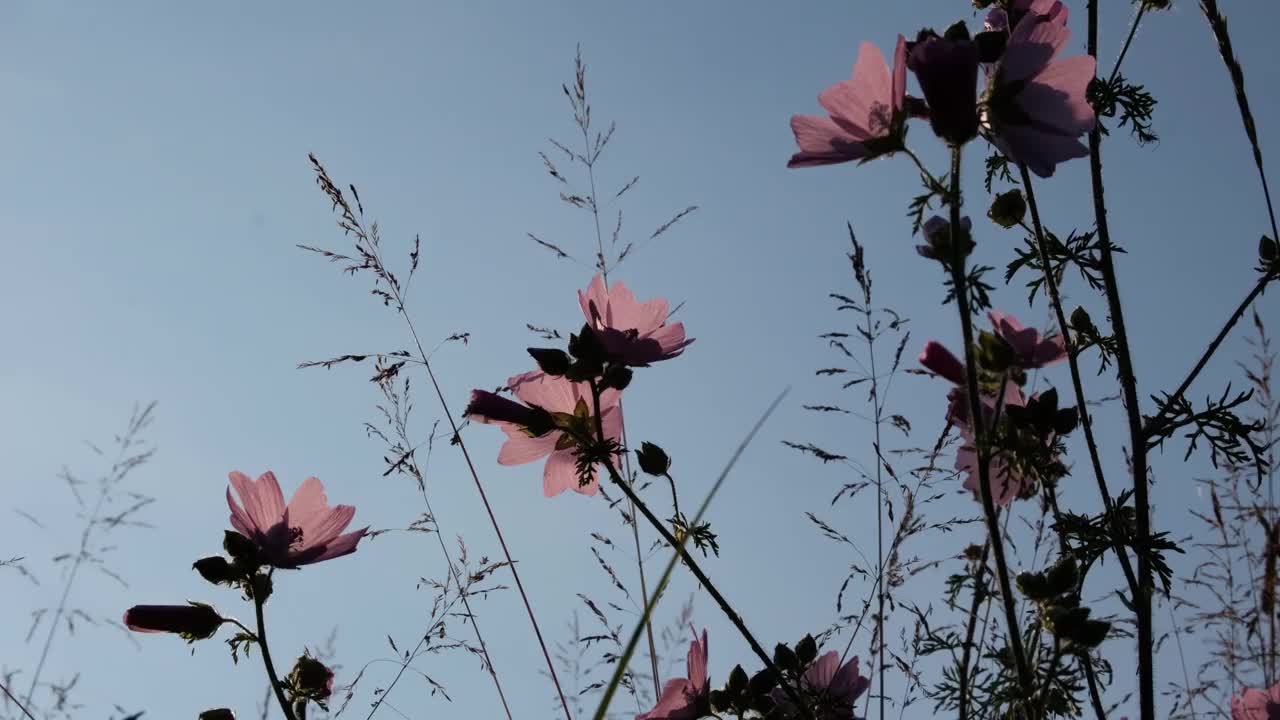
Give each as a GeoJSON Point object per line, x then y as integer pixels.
{"type": "Point", "coordinates": [570, 407]}
{"type": "Point", "coordinates": [1037, 107]}
{"type": "Point", "coordinates": [305, 531]}
{"type": "Point", "coordinates": [1030, 348]}
{"type": "Point", "coordinates": [867, 108]}
{"type": "Point", "coordinates": [1252, 704]}
{"type": "Point", "coordinates": [686, 698]}
{"type": "Point", "coordinates": [632, 332]}
{"type": "Point", "coordinates": [1006, 483]}
{"type": "Point", "coordinates": [833, 687]}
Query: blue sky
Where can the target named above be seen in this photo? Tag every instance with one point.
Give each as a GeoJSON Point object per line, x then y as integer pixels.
{"type": "Point", "coordinates": [158, 182]}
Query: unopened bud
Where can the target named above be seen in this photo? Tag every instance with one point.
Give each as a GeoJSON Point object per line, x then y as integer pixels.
{"type": "Point", "coordinates": [653, 459]}
{"type": "Point", "coordinates": [1008, 209]}
{"type": "Point", "coordinates": [215, 569]}
{"type": "Point", "coordinates": [311, 679]}
{"type": "Point", "coordinates": [617, 377]}
{"type": "Point", "coordinates": [217, 714]}
{"type": "Point", "coordinates": [551, 361]}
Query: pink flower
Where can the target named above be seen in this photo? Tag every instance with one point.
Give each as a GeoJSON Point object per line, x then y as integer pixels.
{"type": "Point", "coordinates": [1006, 483]}
{"type": "Point", "coordinates": [1032, 350]}
{"type": "Point", "coordinates": [940, 361]}
{"type": "Point", "coordinates": [867, 108]}
{"type": "Point", "coordinates": [685, 698]}
{"type": "Point", "coordinates": [632, 332]}
{"type": "Point", "coordinates": [1037, 107]}
{"type": "Point", "coordinates": [304, 532]}
{"type": "Point", "coordinates": [570, 407]}
{"type": "Point", "coordinates": [1253, 704]}
{"type": "Point", "coordinates": [832, 687]}
{"type": "Point", "coordinates": [999, 20]}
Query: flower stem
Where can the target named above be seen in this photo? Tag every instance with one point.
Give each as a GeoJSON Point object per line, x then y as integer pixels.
{"type": "Point", "coordinates": [1073, 361]}
{"type": "Point", "coordinates": [961, 287]}
{"type": "Point", "coordinates": [15, 701]}
{"type": "Point", "coordinates": [266, 658]}
{"type": "Point", "coordinates": [689, 562]}
{"type": "Point", "coordinates": [1133, 411]}
{"type": "Point", "coordinates": [979, 594]}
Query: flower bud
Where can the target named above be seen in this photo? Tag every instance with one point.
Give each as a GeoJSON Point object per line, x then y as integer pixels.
{"type": "Point", "coordinates": [1082, 323]}
{"type": "Point", "coordinates": [1008, 209]}
{"type": "Point", "coordinates": [1267, 251]}
{"type": "Point", "coordinates": [937, 233]}
{"type": "Point", "coordinates": [194, 621]}
{"type": "Point", "coordinates": [217, 714]}
{"type": "Point", "coordinates": [586, 347]}
{"type": "Point", "coordinates": [241, 549]}
{"type": "Point", "coordinates": [617, 377]}
{"type": "Point", "coordinates": [994, 354]}
{"type": "Point", "coordinates": [215, 569]}
{"type": "Point", "coordinates": [653, 459]}
{"type": "Point", "coordinates": [552, 361]}
{"type": "Point", "coordinates": [311, 679]}
{"type": "Point", "coordinates": [947, 69]}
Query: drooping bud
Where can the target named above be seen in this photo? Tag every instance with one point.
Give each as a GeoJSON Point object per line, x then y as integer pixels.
{"type": "Point", "coordinates": [217, 714]}
{"type": "Point", "coordinates": [216, 570]}
{"type": "Point", "coordinates": [552, 361]}
{"type": "Point", "coordinates": [1082, 323]}
{"type": "Point", "coordinates": [653, 459]}
{"type": "Point", "coordinates": [194, 621]}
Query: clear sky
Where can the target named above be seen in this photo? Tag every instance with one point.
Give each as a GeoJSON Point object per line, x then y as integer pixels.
{"type": "Point", "coordinates": [157, 182]}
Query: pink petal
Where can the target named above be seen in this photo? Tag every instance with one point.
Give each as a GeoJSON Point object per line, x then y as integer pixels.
{"type": "Point", "coordinates": [673, 698]}
{"type": "Point", "coordinates": [240, 520]}
{"type": "Point", "coordinates": [900, 74]}
{"type": "Point", "coordinates": [823, 671]}
{"type": "Point", "coordinates": [552, 394]}
{"type": "Point", "coordinates": [270, 499]}
{"type": "Point", "coordinates": [342, 545]}
{"type": "Point", "coordinates": [561, 473]}
{"type": "Point", "coordinates": [1057, 96]}
{"type": "Point", "coordinates": [308, 503]}
{"type": "Point", "coordinates": [1040, 150]}
{"type": "Point", "coordinates": [1033, 44]}
{"type": "Point", "coordinates": [822, 142]}
{"type": "Point", "coordinates": [248, 492]}
{"type": "Point", "coordinates": [520, 448]}
{"type": "Point", "coordinates": [853, 103]}
{"type": "Point", "coordinates": [597, 294]}
{"type": "Point", "coordinates": [324, 528]}
{"type": "Point", "coordinates": [697, 663]}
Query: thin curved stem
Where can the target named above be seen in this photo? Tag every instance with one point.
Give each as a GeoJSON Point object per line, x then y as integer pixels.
{"type": "Point", "coordinates": [266, 658]}
{"type": "Point", "coordinates": [689, 562]}
{"type": "Point", "coordinates": [484, 498]}
{"type": "Point", "coordinates": [15, 701]}
{"type": "Point", "coordinates": [961, 287]}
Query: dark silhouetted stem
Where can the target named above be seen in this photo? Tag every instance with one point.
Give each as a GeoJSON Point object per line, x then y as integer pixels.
{"type": "Point", "coordinates": [692, 564]}
{"type": "Point", "coordinates": [266, 657]}
{"type": "Point", "coordinates": [1133, 413]}
{"type": "Point", "coordinates": [14, 700]}
{"type": "Point", "coordinates": [979, 594]}
{"type": "Point", "coordinates": [1082, 405]}
{"type": "Point", "coordinates": [961, 286]}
